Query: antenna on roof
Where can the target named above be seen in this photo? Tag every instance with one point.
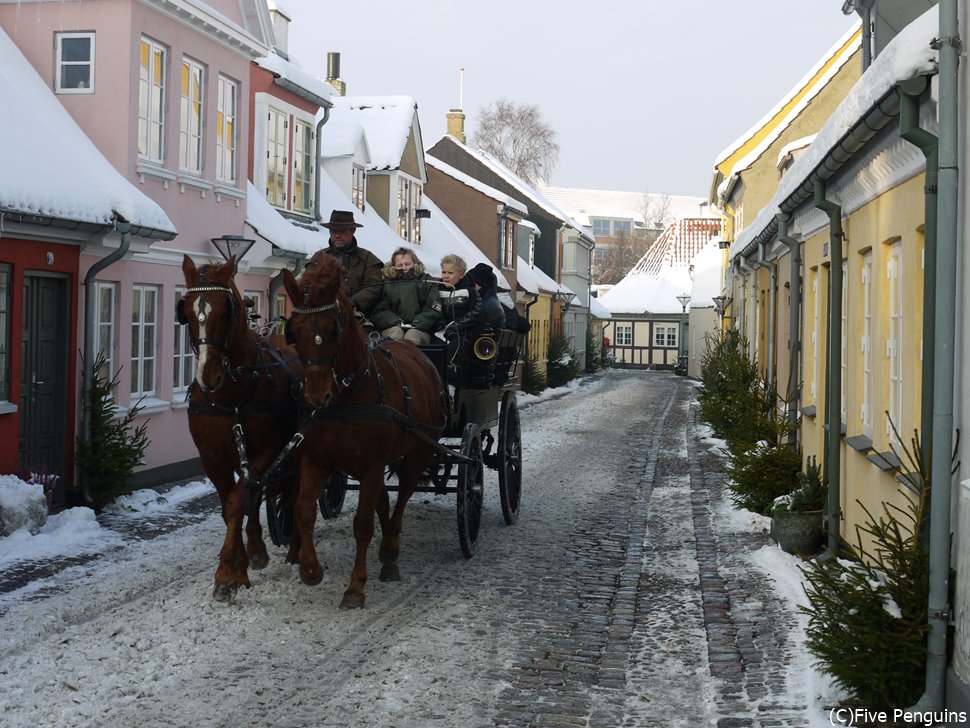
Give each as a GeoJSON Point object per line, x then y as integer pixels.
{"type": "Point", "coordinates": [461, 88]}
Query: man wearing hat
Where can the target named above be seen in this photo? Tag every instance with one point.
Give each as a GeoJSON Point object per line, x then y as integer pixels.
{"type": "Point", "coordinates": [362, 269]}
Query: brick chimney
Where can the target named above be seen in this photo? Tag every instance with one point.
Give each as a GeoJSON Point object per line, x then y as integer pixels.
{"type": "Point", "coordinates": [333, 73]}
{"type": "Point", "coordinates": [456, 124]}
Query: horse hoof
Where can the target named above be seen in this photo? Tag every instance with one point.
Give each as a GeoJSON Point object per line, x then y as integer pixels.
{"type": "Point", "coordinates": [225, 592]}
{"type": "Point", "coordinates": [311, 578]}
{"type": "Point", "coordinates": [390, 572]}
{"type": "Point", "coordinates": [352, 601]}
{"type": "Point", "coordinates": [258, 561]}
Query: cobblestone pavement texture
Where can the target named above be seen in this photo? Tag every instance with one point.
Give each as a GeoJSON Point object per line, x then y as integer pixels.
{"type": "Point", "coordinates": [612, 599]}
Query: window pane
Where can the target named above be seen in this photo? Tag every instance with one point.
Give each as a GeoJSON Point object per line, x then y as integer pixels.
{"type": "Point", "coordinates": [75, 49]}
{"type": "Point", "coordinates": [75, 77]}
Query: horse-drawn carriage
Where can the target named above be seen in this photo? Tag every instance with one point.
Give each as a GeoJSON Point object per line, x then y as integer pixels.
{"type": "Point", "coordinates": [331, 409]}
{"type": "Point", "coordinates": [482, 430]}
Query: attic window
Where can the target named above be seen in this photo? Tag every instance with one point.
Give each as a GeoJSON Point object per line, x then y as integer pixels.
{"type": "Point", "coordinates": [74, 64]}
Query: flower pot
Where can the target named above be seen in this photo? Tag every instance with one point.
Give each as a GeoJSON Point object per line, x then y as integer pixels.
{"type": "Point", "coordinates": [799, 533]}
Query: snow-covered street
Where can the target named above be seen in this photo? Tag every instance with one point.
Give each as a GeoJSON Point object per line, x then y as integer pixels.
{"type": "Point", "coordinates": [629, 593]}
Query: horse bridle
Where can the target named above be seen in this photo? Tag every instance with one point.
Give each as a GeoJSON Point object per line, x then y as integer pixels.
{"type": "Point", "coordinates": [341, 384]}
{"type": "Point", "coordinates": [222, 344]}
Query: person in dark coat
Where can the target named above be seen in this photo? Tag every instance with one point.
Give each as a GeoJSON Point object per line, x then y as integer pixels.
{"type": "Point", "coordinates": [409, 308]}
{"type": "Point", "coordinates": [492, 313]}
{"type": "Point", "coordinates": [362, 276]}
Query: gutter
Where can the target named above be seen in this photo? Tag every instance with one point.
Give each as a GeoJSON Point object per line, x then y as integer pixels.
{"type": "Point", "coordinates": [941, 477]}
{"type": "Point", "coordinates": [317, 152]}
{"type": "Point", "coordinates": [833, 405]}
{"type": "Point", "coordinates": [794, 300]}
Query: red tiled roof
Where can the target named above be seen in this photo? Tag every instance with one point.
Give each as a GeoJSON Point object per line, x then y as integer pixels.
{"type": "Point", "coordinates": [678, 244]}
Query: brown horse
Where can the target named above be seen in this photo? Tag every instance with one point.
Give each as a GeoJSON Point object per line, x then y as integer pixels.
{"type": "Point", "coordinates": [370, 405]}
{"type": "Point", "coordinates": [242, 410]}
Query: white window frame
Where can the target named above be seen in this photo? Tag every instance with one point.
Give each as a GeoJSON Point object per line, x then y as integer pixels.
{"type": "Point", "coordinates": [151, 102]}
{"type": "Point", "coordinates": [144, 329]}
{"type": "Point", "coordinates": [227, 133]}
{"type": "Point", "coordinates": [508, 243]}
{"type": "Point", "coordinates": [192, 116]}
{"type": "Point", "coordinates": [623, 334]}
{"type": "Point", "coordinates": [257, 298]}
{"type": "Point", "coordinates": [303, 153]}
{"type": "Point", "coordinates": [815, 317]}
{"type": "Point", "coordinates": [277, 154]}
{"type": "Point", "coordinates": [104, 324]}
{"type": "Point", "coordinates": [183, 360]}
{"type": "Point", "coordinates": [894, 269]}
{"type": "Point", "coordinates": [663, 335]}
{"type": "Point", "coordinates": [866, 345]}
{"type": "Point", "coordinates": [60, 65]}
{"type": "Point", "coordinates": [409, 194]}
{"type": "Point", "coordinates": [359, 187]}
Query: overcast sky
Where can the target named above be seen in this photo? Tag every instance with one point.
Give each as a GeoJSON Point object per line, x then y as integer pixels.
{"type": "Point", "coordinates": [643, 94]}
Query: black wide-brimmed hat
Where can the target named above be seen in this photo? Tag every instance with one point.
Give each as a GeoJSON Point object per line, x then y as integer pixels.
{"type": "Point", "coordinates": [341, 220]}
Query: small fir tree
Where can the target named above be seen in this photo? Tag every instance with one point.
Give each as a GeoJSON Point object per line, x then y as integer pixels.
{"type": "Point", "coordinates": [868, 614]}
{"type": "Point", "coordinates": [115, 447]}
{"type": "Point", "coordinates": [533, 378]}
{"type": "Point", "coordinates": [563, 366]}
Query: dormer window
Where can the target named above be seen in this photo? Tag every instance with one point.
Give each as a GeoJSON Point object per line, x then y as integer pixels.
{"type": "Point", "coordinates": [408, 200]}
{"type": "Point", "coordinates": [359, 189]}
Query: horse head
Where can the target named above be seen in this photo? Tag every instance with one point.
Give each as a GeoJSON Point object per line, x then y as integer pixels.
{"type": "Point", "coordinates": [319, 324]}
{"type": "Point", "coordinates": [213, 310]}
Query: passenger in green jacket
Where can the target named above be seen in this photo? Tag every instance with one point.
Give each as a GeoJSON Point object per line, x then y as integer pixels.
{"type": "Point", "coordinates": [409, 308]}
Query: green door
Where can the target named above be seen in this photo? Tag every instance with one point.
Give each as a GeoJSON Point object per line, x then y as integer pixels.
{"type": "Point", "coordinates": [43, 377]}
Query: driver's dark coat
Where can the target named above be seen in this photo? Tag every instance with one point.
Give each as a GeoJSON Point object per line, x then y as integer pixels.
{"type": "Point", "coordinates": [362, 274]}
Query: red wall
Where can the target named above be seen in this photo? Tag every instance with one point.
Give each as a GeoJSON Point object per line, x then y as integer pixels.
{"type": "Point", "coordinates": [26, 255]}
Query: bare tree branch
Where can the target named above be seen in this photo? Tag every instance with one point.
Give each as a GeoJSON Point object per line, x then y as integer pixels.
{"type": "Point", "coordinates": [518, 136]}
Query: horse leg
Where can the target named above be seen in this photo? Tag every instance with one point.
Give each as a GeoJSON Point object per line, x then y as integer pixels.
{"type": "Point", "coordinates": [408, 478]}
{"type": "Point", "coordinates": [255, 546]}
{"type": "Point", "coordinates": [371, 489]}
{"type": "Point", "coordinates": [231, 573]}
{"type": "Point", "coordinates": [312, 480]}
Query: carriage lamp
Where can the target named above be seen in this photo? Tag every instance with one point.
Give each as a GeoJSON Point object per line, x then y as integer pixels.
{"type": "Point", "coordinates": [233, 245]}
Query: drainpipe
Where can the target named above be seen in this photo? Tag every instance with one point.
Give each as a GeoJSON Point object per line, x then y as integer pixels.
{"type": "Point", "coordinates": [948, 45]}
{"type": "Point", "coordinates": [770, 373]}
{"type": "Point", "coordinates": [90, 313]}
{"type": "Point", "coordinates": [834, 374]}
{"type": "Point", "coordinates": [316, 177]}
{"type": "Point", "coordinates": [794, 299]}
{"type": "Point", "coordinates": [910, 92]}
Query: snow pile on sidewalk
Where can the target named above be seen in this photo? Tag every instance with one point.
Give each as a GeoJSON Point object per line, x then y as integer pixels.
{"type": "Point", "coordinates": [22, 505]}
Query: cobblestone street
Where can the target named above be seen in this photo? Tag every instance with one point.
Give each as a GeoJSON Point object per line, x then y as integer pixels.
{"type": "Point", "coordinates": [619, 599]}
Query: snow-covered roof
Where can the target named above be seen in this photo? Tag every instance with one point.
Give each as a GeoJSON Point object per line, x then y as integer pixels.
{"type": "Point", "coordinates": [531, 225]}
{"type": "Point", "coordinates": [678, 244]}
{"type": "Point", "coordinates": [530, 192]}
{"type": "Point", "coordinates": [266, 222]}
{"type": "Point", "coordinates": [534, 280]}
{"type": "Point", "coordinates": [50, 166]}
{"type": "Point", "coordinates": [584, 204]}
{"type": "Point", "coordinates": [598, 311]}
{"type": "Point", "coordinates": [387, 121]}
{"type": "Point", "coordinates": [909, 54]}
{"type": "Point", "coordinates": [707, 266]}
{"type": "Point", "coordinates": [476, 185]}
{"type": "Point", "coordinates": [440, 236]}
{"type": "Point", "coordinates": [341, 138]}
{"type": "Point", "coordinates": [292, 74]}
{"type": "Point", "coordinates": [847, 49]}
{"type": "Point", "coordinates": [794, 146]}
{"type": "Point", "coordinates": [663, 273]}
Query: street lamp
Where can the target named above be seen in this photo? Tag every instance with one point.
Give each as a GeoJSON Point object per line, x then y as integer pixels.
{"type": "Point", "coordinates": [720, 305]}
{"type": "Point", "coordinates": [684, 299]}
{"type": "Point", "coordinates": [233, 246]}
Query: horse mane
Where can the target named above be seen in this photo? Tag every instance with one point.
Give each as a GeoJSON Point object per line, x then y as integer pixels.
{"type": "Point", "coordinates": [321, 280]}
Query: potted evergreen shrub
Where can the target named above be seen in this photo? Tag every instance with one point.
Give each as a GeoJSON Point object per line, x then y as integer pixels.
{"type": "Point", "coordinates": [797, 517]}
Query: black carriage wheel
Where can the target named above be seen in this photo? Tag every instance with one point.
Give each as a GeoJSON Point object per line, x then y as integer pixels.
{"type": "Point", "coordinates": [470, 491]}
{"type": "Point", "coordinates": [332, 497]}
{"type": "Point", "coordinates": [509, 458]}
{"type": "Point", "coordinates": [279, 514]}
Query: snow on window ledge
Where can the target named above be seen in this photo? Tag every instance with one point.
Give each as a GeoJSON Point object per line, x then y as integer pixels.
{"type": "Point", "coordinates": [7, 408]}
{"type": "Point", "coordinates": [150, 169]}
